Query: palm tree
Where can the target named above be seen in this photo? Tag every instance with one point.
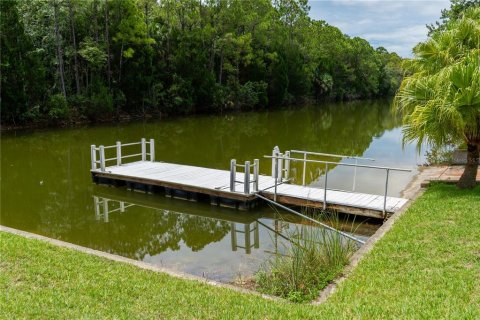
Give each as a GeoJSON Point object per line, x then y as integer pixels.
{"type": "Point", "coordinates": [440, 98]}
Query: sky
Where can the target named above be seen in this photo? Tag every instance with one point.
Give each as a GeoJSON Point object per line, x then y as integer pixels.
{"type": "Point", "coordinates": [396, 25]}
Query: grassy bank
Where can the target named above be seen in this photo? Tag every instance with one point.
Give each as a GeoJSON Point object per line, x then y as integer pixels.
{"type": "Point", "coordinates": [427, 266]}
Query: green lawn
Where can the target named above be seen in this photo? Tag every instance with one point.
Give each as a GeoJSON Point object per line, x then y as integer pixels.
{"type": "Point", "coordinates": [427, 266]}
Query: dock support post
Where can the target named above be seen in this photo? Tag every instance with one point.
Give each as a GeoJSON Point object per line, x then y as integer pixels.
{"type": "Point", "coordinates": [287, 165]}
{"type": "Point", "coordinates": [93, 156]}
{"type": "Point", "coordinates": [102, 158]}
{"type": "Point", "coordinates": [152, 150]}
{"type": "Point", "coordinates": [119, 153]}
{"type": "Point", "coordinates": [246, 182]}
{"type": "Point", "coordinates": [233, 173]}
{"type": "Point", "coordinates": [144, 149]}
{"type": "Point", "coordinates": [304, 182]}
{"type": "Point", "coordinates": [325, 190]}
{"type": "Point", "coordinates": [256, 171]}
{"type": "Point", "coordinates": [385, 197]}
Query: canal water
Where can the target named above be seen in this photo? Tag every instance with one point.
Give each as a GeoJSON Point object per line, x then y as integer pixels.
{"type": "Point", "coordinates": [46, 186]}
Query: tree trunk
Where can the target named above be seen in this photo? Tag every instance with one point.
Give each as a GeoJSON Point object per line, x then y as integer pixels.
{"type": "Point", "coordinates": [120, 65]}
{"type": "Point", "coordinates": [107, 41]}
{"type": "Point", "coordinates": [469, 176]}
{"type": "Point", "coordinates": [75, 59]}
{"type": "Point", "coordinates": [147, 18]}
{"type": "Point", "coordinates": [58, 43]}
{"type": "Point", "coordinates": [95, 20]}
{"type": "Point", "coordinates": [220, 72]}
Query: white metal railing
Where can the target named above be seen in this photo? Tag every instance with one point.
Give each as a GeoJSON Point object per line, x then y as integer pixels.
{"type": "Point", "coordinates": [279, 160]}
{"type": "Point", "coordinates": [284, 166]}
{"type": "Point", "coordinates": [118, 158]}
{"type": "Point", "coordinates": [246, 177]}
{"type": "Point", "coordinates": [330, 155]}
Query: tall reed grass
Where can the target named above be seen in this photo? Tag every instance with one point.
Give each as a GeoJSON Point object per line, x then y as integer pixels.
{"type": "Point", "coordinates": [313, 258]}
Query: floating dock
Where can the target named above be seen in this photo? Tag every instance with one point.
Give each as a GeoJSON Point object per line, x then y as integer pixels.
{"type": "Point", "coordinates": [230, 187]}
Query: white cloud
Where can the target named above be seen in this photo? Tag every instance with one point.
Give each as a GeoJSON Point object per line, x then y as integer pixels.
{"type": "Point", "coordinates": [395, 25]}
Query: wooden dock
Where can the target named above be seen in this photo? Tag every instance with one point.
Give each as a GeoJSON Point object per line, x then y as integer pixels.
{"type": "Point", "coordinates": [231, 188]}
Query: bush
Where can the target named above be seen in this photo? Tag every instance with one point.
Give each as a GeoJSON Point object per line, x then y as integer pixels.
{"type": "Point", "coordinates": [32, 114]}
{"type": "Point", "coordinates": [99, 102]}
{"type": "Point", "coordinates": [252, 94]}
{"type": "Point", "coordinates": [58, 108]}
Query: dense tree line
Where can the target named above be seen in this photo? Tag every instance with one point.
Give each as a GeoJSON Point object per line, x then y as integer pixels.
{"type": "Point", "coordinates": [74, 59]}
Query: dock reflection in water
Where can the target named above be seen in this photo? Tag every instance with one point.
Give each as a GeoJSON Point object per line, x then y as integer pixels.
{"type": "Point", "coordinates": [218, 244]}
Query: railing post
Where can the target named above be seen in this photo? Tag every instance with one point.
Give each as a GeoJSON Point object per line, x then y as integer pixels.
{"type": "Point", "coordinates": [119, 153]}
{"type": "Point", "coordinates": [144, 149]}
{"type": "Point", "coordinates": [276, 179]}
{"type": "Point", "coordinates": [275, 153]}
{"type": "Point", "coordinates": [256, 174]}
{"type": "Point", "coordinates": [304, 182]}
{"type": "Point", "coordinates": [385, 197]}
{"type": "Point", "coordinates": [325, 190]}
{"type": "Point", "coordinates": [93, 156]}
{"type": "Point", "coordinates": [280, 167]}
{"type": "Point", "coordinates": [246, 182]}
{"type": "Point", "coordinates": [287, 165]}
{"type": "Point", "coordinates": [233, 173]}
{"type": "Point", "coordinates": [152, 150]}
{"type": "Point", "coordinates": [102, 158]}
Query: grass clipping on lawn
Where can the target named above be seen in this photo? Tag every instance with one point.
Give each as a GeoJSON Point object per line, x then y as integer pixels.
{"type": "Point", "coordinates": [313, 257]}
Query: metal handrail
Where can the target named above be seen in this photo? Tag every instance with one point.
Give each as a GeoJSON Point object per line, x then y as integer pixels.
{"type": "Point", "coordinates": [311, 219]}
{"type": "Point", "coordinates": [247, 180]}
{"type": "Point", "coordinates": [305, 153]}
{"type": "Point", "coordinates": [330, 155]}
{"type": "Point", "coordinates": [281, 157]}
{"type": "Point", "coordinates": [118, 146]}
{"type": "Point", "coordinates": [337, 163]}
{"type": "Point", "coordinates": [123, 145]}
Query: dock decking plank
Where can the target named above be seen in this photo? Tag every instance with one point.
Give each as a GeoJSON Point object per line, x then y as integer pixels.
{"type": "Point", "coordinates": [211, 181]}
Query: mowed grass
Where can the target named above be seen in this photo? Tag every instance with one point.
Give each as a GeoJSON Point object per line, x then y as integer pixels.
{"type": "Point", "coordinates": [427, 266]}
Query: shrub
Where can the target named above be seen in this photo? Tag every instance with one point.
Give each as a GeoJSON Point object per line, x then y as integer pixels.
{"type": "Point", "coordinates": [58, 108]}
{"type": "Point", "coordinates": [314, 257]}
{"type": "Point", "coordinates": [32, 114]}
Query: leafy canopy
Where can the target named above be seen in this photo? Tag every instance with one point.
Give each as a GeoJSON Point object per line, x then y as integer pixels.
{"type": "Point", "coordinates": [440, 100]}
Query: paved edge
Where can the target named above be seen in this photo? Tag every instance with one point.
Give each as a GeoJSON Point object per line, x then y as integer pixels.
{"type": "Point", "coordinates": [414, 190]}
{"type": "Point", "coordinates": [139, 264]}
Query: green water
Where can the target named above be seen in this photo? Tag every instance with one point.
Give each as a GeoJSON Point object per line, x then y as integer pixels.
{"type": "Point", "coordinates": [46, 186]}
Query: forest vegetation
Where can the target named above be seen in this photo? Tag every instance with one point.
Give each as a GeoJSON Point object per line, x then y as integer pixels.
{"type": "Point", "coordinates": [87, 60]}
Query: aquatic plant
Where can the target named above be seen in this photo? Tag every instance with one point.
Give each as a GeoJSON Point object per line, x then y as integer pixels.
{"type": "Point", "coordinates": [313, 257]}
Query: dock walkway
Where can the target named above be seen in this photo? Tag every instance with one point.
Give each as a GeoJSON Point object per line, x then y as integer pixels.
{"type": "Point", "coordinates": [232, 188]}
